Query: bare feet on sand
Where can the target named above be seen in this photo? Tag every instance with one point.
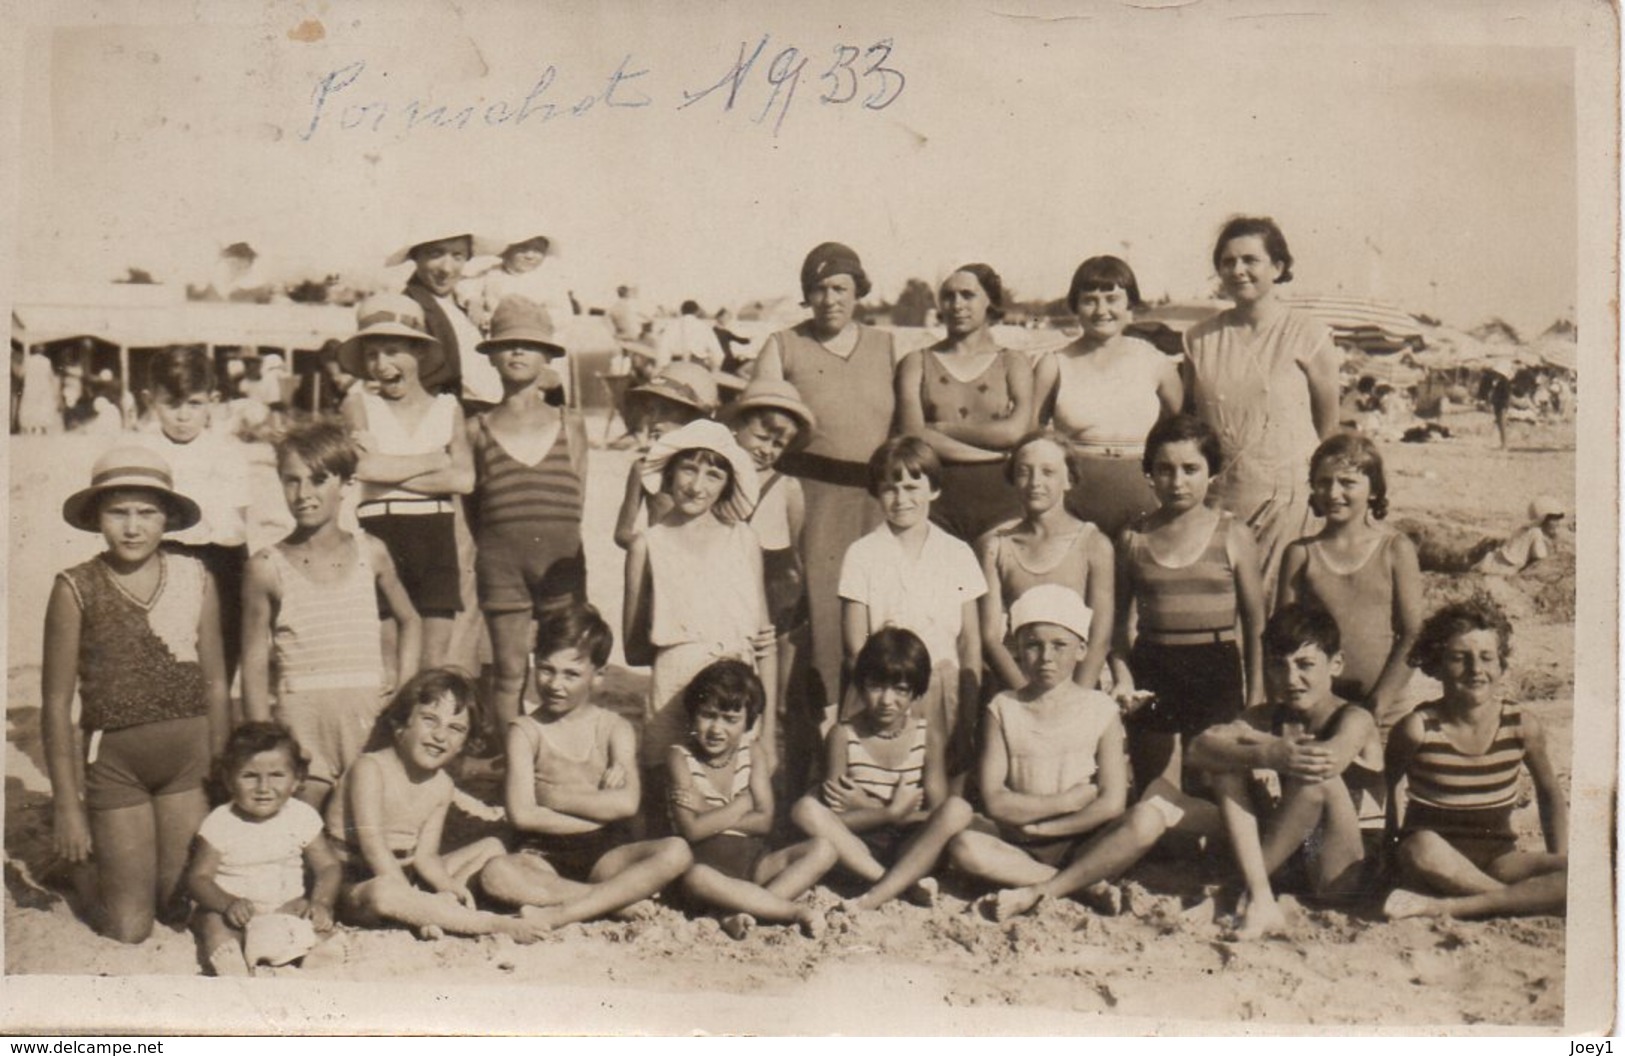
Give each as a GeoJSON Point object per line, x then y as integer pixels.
{"type": "Point", "coordinates": [227, 961]}
{"type": "Point", "coordinates": [641, 910]}
{"type": "Point", "coordinates": [431, 933]}
{"type": "Point", "coordinates": [737, 925]}
{"type": "Point", "coordinates": [1402, 903]}
{"type": "Point", "coordinates": [812, 922]}
{"type": "Point", "coordinates": [922, 892]}
{"type": "Point", "coordinates": [1259, 921]}
{"type": "Point", "coordinates": [533, 924]}
{"type": "Point", "coordinates": [1013, 902]}
{"type": "Point", "coordinates": [1104, 897]}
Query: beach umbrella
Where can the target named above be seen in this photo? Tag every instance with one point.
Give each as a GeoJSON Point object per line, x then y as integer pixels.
{"type": "Point", "coordinates": [1359, 322]}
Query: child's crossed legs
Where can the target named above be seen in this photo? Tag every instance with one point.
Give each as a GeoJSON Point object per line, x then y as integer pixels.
{"type": "Point", "coordinates": [619, 880]}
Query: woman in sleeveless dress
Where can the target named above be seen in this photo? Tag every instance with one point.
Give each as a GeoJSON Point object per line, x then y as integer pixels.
{"type": "Point", "coordinates": [1266, 379]}
{"type": "Point", "coordinates": [843, 370]}
{"type": "Point", "coordinates": [971, 401]}
{"type": "Point", "coordinates": [1104, 392]}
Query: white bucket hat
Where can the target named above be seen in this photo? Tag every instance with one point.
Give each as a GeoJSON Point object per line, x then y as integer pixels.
{"type": "Point", "coordinates": [1052, 603]}
{"type": "Point", "coordinates": [710, 436]}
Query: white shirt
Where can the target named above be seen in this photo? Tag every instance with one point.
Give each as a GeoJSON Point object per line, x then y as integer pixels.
{"type": "Point", "coordinates": [480, 379]}
{"type": "Point", "coordinates": [262, 861]}
{"type": "Point", "coordinates": [690, 337]}
{"type": "Point", "coordinates": [924, 595]}
{"type": "Point", "coordinates": [213, 472]}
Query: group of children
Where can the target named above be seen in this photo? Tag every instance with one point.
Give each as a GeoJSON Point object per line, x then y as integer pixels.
{"type": "Point", "coordinates": [1040, 711]}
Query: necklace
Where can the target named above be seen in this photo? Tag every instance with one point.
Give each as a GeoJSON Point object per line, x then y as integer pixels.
{"type": "Point", "coordinates": [891, 735]}
{"type": "Point", "coordinates": [726, 760]}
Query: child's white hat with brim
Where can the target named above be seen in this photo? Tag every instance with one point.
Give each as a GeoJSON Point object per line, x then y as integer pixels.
{"type": "Point", "coordinates": [277, 939]}
{"type": "Point", "coordinates": [1052, 603]}
{"type": "Point", "coordinates": [709, 436]}
{"type": "Point", "coordinates": [478, 245]}
{"type": "Point", "coordinates": [130, 467]}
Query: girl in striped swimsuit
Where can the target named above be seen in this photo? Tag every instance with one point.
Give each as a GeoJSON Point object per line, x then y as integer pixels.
{"type": "Point", "coordinates": [885, 802]}
{"type": "Point", "coordinates": [722, 804]}
{"type": "Point", "coordinates": [1460, 756]}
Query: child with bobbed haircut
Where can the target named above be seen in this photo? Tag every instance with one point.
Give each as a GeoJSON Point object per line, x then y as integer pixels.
{"type": "Point", "coordinates": [247, 875]}
{"type": "Point", "coordinates": [886, 804]}
{"type": "Point", "coordinates": [310, 608]}
{"type": "Point", "coordinates": [912, 574]}
{"type": "Point", "coordinates": [388, 815]}
{"type": "Point", "coordinates": [1362, 572]}
{"type": "Point", "coordinates": [722, 803]}
{"type": "Point", "coordinates": [1460, 758]}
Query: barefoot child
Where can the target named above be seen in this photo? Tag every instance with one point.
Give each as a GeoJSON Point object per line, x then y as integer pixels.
{"type": "Point", "coordinates": [1363, 573]}
{"type": "Point", "coordinates": [1327, 755]}
{"type": "Point", "coordinates": [136, 632]}
{"type": "Point", "coordinates": [1460, 756]}
{"type": "Point", "coordinates": [249, 861]}
{"type": "Point", "coordinates": [694, 589]}
{"type": "Point", "coordinates": [681, 393]}
{"type": "Point", "coordinates": [722, 804]}
{"type": "Point", "coordinates": [414, 458]}
{"type": "Point", "coordinates": [312, 600]}
{"type": "Point", "coordinates": [388, 815]}
{"type": "Point", "coordinates": [1047, 545]}
{"type": "Point", "coordinates": [211, 468]}
{"type": "Point", "coordinates": [572, 790]}
{"type": "Point", "coordinates": [909, 573]}
{"type": "Point", "coordinates": [530, 462]}
{"type": "Point", "coordinates": [885, 804]}
{"type": "Point", "coordinates": [769, 420]}
{"type": "Point", "coordinates": [1052, 767]}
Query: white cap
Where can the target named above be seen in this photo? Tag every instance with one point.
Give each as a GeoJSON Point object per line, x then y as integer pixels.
{"type": "Point", "coordinates": [1052, 603]}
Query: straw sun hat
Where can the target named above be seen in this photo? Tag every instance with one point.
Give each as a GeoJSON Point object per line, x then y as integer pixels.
{"type": "Point", "coordinates": [130, 467]}
{"type": "Point", "coordinates": [710, 436]}
{"type": "Point", "coordinates": [518, 321]}
{"type": "Point", "coordinates": [778, 395]}
{"type": "Point", "coordinates": [478, 245]}
{"type": "Point", "coordinates": [391, 315]}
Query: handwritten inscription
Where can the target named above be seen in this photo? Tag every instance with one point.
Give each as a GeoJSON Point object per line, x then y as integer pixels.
{"type": "Point", "coordinates": [762, 83]}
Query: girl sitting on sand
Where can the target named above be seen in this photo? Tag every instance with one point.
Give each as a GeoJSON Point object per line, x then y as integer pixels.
{"type": "Point", "coordinates": [722, 803]}
{"type": "Point", "coordinates": [135, 632]}
{"type": "Point", "coordinates": [1048, 545]}
{"type": "Point", "coordinates": [885, 803]}
{"type": "Point", "coordinates": [1460, 756]}
{"type": "Point", "coordinates": [1363, 573]}
{"type": "Point", "coordinates": [389, 812]}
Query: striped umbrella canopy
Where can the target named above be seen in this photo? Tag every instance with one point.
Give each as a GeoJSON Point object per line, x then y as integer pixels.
{"type": "Point", "coordinates": [1360, 322]}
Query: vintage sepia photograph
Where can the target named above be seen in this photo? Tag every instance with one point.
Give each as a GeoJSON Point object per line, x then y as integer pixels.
{"type": "Point", "coordinates": [1057, 517]}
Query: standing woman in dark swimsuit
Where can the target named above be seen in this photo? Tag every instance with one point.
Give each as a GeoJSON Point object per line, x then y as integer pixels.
{"type": "Point", "coordinates": [971, 401]}
{"type": "Point", "coordinates": [843, 371]}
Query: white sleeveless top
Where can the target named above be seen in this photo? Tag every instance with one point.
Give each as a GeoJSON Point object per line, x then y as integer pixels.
{"type": "Point", "coordinates": [433, 433]}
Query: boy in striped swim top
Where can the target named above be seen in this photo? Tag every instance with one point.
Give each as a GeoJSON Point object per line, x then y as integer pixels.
{"type": "Point", "coordinates": [1460, 756]}
{"type": "Point", "coordinates": [885, 803]}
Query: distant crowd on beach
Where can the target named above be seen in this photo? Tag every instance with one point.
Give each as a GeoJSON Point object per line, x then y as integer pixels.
{"type": "Point", "coordinates": [954, 612]}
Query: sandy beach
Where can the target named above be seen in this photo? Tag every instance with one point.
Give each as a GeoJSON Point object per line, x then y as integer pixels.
{"type": "Point", "coordinates": [945, 969]}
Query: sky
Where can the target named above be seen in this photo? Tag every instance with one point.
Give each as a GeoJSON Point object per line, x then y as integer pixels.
{"type": "Point", "coordinates": [1428, 163]}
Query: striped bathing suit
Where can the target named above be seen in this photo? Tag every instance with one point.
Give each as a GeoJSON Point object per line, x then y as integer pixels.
{"type": "Point", "coordinates": [1199, 597]}
{"type": "Point", "coordinates": [1467, 799]}
{"type": "Point", "coordinates": [326, 630]}
{"type": "Point", "coordinates": [700, 778]}
{"type": "Point", "coordinates": [529, 525]}
{"type": "Point", "coordinates": [877, 779]}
